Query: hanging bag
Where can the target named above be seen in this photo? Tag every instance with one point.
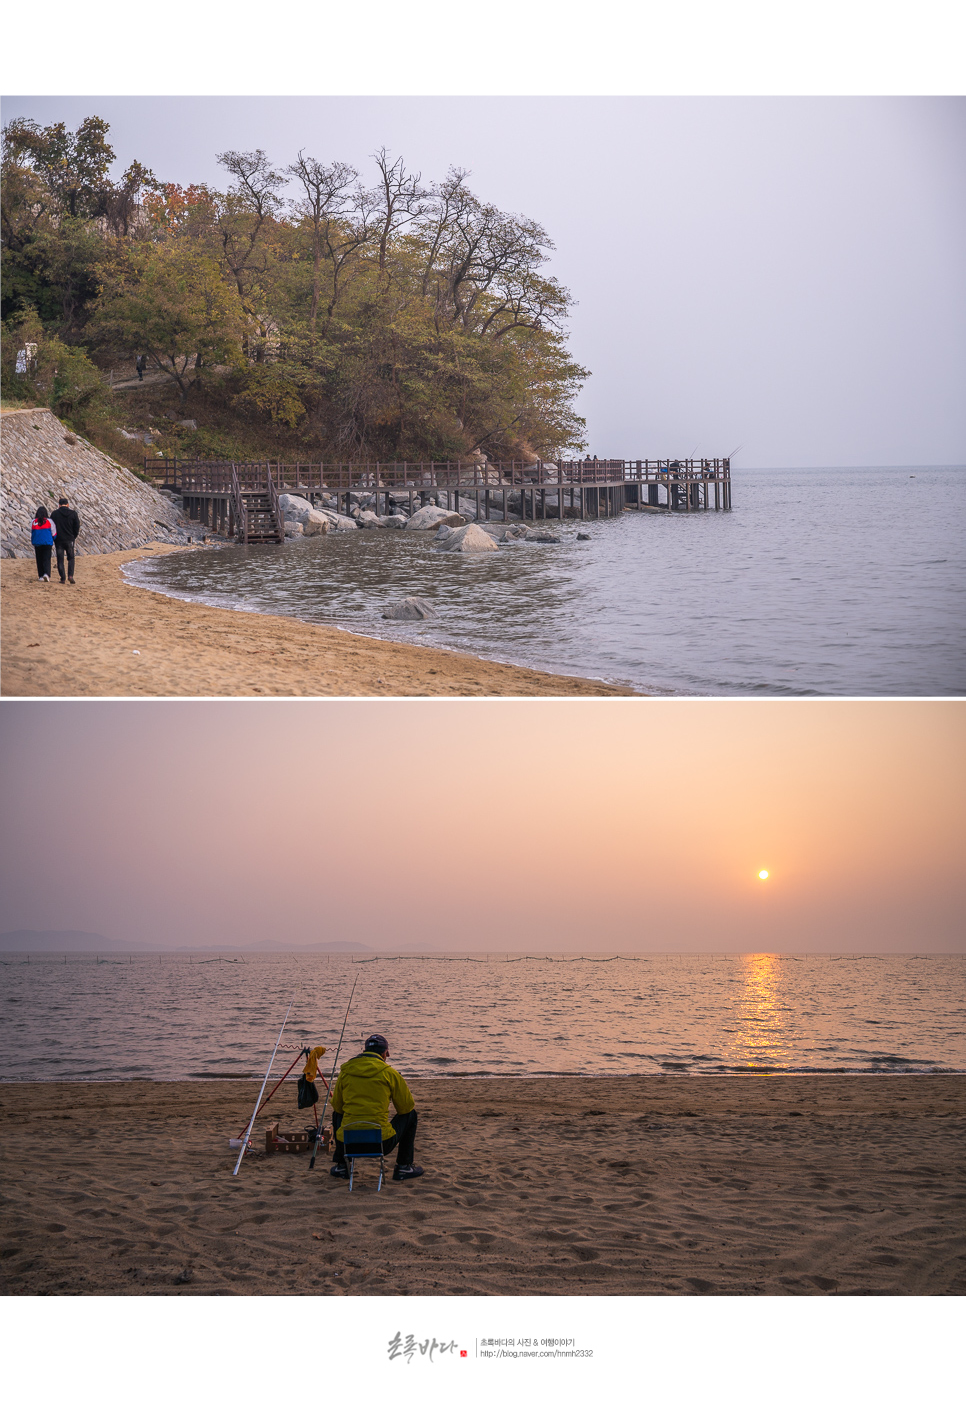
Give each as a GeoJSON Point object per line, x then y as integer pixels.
{"type": "Point", "coordinates": [307, 1093]}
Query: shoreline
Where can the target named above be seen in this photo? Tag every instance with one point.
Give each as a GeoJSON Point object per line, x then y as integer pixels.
{"type": "Point", "coordinates": [249, 1079]}
{"type": "Point", "coordinates": [571, 1186]}
{"type": "Point", "coordinates": [620, 687]}
{"type": "Point", "coordinates": [109, 637]}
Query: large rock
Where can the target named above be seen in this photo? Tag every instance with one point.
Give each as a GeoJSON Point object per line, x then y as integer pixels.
{"type": "Point", "coordinates": [411, 608]}
{"type": "Point", "coordinates": [337, 522]}
{"type": "Point", "coordinates": [299, 510]}
{"type": "Point", "coordinates": [293, 528]}
{"type": "Point", "coordinates": [369, 521]}
{"type": "Point", "coordinates": [396, 522]}
{"type": "Point", "coordinates": [531, 533]}
{"type": "Point", "coordinates": [293, 508]}
{"type": "Point", "coordinates": [468, 539]}
{"type": "Point", "coordinates": [429, 518]}
{"type": "Point", "coordinates": [314, 520]}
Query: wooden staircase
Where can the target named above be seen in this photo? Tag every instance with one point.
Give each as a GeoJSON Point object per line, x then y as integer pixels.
{"type": "Point", "coordinates": [258, 516]}
{"type": "Point", "coordinates": [264, 519]}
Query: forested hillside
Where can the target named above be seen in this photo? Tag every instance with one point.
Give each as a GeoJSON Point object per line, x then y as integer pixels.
{"type": "Point", "coordinates": [300, 311]}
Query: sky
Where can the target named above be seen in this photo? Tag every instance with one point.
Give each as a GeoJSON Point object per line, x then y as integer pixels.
{"type": "Point", "coordinates": [782, 276]}
{"type": "Point", "coordinates": [490, 825]}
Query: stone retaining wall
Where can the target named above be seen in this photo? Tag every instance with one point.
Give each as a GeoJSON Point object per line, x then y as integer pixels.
{"type": "Point", "coordinates": [41, 460]}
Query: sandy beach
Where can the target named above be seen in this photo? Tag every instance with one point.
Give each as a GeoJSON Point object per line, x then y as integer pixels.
{"type": "Point", "coordinates": [555, 1186]}
{"type": "Point", "coordinates": [105, 638]}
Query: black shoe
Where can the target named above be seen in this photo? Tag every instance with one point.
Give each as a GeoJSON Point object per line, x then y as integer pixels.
{"type": "Point", "coordinates": [339, 1171]}
{"type": "Point", "coordinates": [407, 1171]}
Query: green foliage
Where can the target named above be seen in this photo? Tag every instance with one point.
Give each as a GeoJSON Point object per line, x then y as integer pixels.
{"type": "Point", "coordinates": [214, 443]}
{"type": "Point", "coordinates": [395, 321]}
{"type": "Point", "coordinates": [58, 376]}
{"type": "Point", "coordinates": [168, 301]}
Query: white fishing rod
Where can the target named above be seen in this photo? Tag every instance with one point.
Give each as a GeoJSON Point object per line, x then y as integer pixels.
{"type": "Point", "coordinates": [318, 1133]}
{"type": "Point", "coordinates": [248, 1132]}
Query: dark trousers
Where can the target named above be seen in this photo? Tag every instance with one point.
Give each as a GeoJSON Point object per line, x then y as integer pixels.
{"type": "Point", "coordinates": [43, 561]}
{"type": "Point", "coordinates": [65, 548]}
{"type": "Point", "coordinates": [404, 1134]}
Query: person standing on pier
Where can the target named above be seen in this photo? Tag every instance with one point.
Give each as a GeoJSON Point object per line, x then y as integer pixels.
{"type": "Point", "coordinates": [365, 1086]}
{"type": "Point", "coordinates": [67, 525]}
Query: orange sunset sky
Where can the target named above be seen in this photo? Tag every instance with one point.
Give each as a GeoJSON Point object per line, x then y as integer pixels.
{"type": "Point", "coordinates": [530, 825]}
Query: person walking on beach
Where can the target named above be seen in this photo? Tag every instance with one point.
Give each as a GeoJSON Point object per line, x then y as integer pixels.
{"type": "Point", "coordinates": [67, 526]}
{"type": "Point", "coordinates": [42, 534]}
{"type": "Point", "coordinates": [365, 1086]}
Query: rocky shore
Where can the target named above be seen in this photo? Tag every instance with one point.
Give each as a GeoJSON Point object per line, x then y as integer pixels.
{"type": "Point", "coordinates": [455, 531]}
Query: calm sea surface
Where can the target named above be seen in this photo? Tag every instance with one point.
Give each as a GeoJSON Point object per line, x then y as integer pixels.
{"type": "Point", "coordinates": [177, 1017]}
{"type": "Point", "coordinates": [820, 582]}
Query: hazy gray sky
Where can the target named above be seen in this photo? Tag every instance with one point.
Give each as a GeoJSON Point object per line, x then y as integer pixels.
{"type": "Point", "coordinates": [782, 273]}
{"type": "Point", "coordinates": [488, 825]}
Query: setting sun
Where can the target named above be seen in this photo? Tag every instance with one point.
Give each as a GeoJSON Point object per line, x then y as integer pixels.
{"type": "Point", "coordinates": [763, 875]}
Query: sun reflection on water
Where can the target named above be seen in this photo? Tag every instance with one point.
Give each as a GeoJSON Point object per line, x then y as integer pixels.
{"type": "Point", "coordinates": [760, 1033]}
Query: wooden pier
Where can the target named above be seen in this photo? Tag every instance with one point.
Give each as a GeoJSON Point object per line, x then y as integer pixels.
{"type": "Point", "coordinates": [242, 498]}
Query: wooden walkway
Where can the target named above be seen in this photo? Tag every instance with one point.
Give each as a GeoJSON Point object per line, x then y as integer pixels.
{"type": "Point", "coordinates": [242, 498]}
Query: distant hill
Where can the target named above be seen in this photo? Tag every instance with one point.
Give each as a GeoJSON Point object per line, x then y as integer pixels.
{"type": "Point", "coordinates": [83, 941]}
{"type": "Point", "coordinates": [65, 941]}
{"type": "Point", "coordinates": [332, 947]}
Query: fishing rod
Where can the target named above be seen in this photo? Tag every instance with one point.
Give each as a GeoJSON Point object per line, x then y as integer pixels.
{"type": "Point", "coordinates": [262, 1092]}
{"type": "Point", "coordinates": [335, 1064]}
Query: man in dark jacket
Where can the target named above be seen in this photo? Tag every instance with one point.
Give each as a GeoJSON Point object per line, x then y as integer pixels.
{"type": "Point", "coordinates": [68, 529]}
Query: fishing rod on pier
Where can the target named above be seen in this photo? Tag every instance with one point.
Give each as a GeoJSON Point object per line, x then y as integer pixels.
{"type": "Point", "coordinates": [318, 1135]}
{"type": "Point", "coordinates": [245, 1137]}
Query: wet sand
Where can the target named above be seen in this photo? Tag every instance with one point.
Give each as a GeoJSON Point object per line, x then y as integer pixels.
{"type": "Point", "coordinates": [80, 641]}
{"type": "Point", "coordinates": [556, 1186]}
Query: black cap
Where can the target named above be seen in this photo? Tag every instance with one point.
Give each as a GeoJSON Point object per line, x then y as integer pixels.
{"type": "Point", "coordinates": [377, 1043]}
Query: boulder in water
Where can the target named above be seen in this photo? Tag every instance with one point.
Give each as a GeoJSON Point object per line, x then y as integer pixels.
{"type": "Point", "coordinates": [468, 539]}
{"type": "Point", "coordinates": [411, 608]}
{"type": "Point", "coordinates": [293, 507]}
{"type": "Point", "coordinates": [314, 523]}
{"type": "Point", "coordinates": [429, 518]}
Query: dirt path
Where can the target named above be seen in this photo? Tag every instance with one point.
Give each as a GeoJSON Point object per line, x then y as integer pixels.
{"type": "Point", "coordinates": [105, 638]}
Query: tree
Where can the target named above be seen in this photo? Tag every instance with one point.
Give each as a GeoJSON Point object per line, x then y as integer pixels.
{"type": "Point", "coordinates": [245, 220]}
{"type": "Point", "coordinates": [401, 200]}
{"type": "Point", "coordinates": [325, 200]}
{"type": "Point", "coordinates": [170, 302]}
{"type": "Point", "coordinates": [72, 166]}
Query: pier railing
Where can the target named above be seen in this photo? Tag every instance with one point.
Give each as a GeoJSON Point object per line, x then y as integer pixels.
{"type": "Point", "coordinates": [204, 477]}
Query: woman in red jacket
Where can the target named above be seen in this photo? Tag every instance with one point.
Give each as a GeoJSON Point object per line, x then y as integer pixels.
{"type": "Point", "coordinates": [42, 533]}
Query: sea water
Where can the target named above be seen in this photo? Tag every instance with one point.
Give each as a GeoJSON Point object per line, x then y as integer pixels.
{"type": "Point", "coordinates": [825, 581]}
{"type": "Point", "coordinates": [196, 1016]}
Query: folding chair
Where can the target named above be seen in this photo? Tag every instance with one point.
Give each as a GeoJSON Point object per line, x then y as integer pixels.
{"type": "Point", "coordinates": [363, 1140]}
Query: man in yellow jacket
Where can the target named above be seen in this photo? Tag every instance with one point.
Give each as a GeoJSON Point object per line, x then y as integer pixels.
{"type": "Point", "coordinates": [365, 1086]}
